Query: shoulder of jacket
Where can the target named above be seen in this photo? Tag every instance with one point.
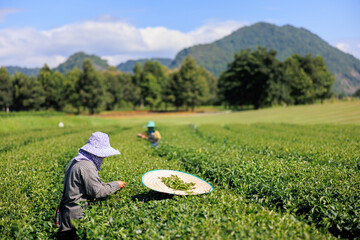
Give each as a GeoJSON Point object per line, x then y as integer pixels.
{"type": "Point", "coordinates": [84, 164]}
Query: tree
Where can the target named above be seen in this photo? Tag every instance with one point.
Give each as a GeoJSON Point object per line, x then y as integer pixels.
{"type": "Point", "coordinates": [113, 88]}
{"type": "Point", "coordinates": [28, 93]}
{"type": "Point", "coordinates": [5, 89]}
{"type": "Point", "coordinates": [248, 78]}
{"type": "Point", "coordinates": [130, 92]}
{"type": "Point", "coordinates": [279, 91]}
{"type": "Point", "coordinates": [175, 90]}
{"type": "Point", "coordinates": [308, 78]}
{"type": "Point", "coordinates": [154, 74]}
{"type": "Point", "coordinates": [317, 82]}
{"type": "Point", "coordinates": [169, 90]}
{"type": "Point", "coordinates": [151, 90]}
{"type": "Point", "coordinates": [164, 81]}
{"type": "Point", "coordinates": [212, 84]}
{"type": "Point", "coordinates": [53, 84]}
{"type": "Point", "coordinates": [301, 85]}
{"type": "Point", "coordinates": [321, 77]}
{"type": "Point", "coordinates": [57, 98]}
{"type": "Point", "coordinates": [136, 98]}
{"type": "Point", "coordinates": [69, 90]}
{"type": "Point", "coordinates": [357, 93]}
{"type": "Point", "coordinates": [90, 88]}
{"type": "Point", "coordinates": [194, 86]}
{"type": "Point", "coordinates": [45, 77]}
{"type": "Point", "coordinates": [155, 68]}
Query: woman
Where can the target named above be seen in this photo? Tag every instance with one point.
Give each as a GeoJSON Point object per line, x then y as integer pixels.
{"type": "Point", "coordinates": [151, 134]}
{"type": "Point", "coordinates": [82, 182]}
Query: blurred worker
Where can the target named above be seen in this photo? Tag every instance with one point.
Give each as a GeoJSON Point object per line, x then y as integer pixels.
{"type": "Point", "coordinates": [151, 134]}
{"type": "Point", "coordinates": [82, 182]}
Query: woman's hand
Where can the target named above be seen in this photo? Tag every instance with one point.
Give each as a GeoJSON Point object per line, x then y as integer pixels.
{"type": "Point", "coordinates": [121, 184]}
{"type": "Point", "coordinates": [141, 136]}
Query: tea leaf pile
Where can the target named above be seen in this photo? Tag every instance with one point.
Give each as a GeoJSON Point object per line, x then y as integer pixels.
{"type": "Point", "coordinates": [174, 182]}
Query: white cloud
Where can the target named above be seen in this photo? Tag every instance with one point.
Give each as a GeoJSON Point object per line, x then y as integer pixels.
{"type": "Point", "coordinates": [212, 30]}
{"type": "Point", "coordinates": [345, 47]}
{"type": "Point", "coordinates": [6, 11]}
{"type": "Point", "coordinates": [116, 59]}
{"type": "Point", "coordinates": [352, 47]}
{"type": "Point", "coordinates": [115, 40]}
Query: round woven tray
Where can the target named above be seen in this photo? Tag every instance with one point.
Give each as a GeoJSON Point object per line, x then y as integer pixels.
{"type": "Point", "coordinates": [152, 180]}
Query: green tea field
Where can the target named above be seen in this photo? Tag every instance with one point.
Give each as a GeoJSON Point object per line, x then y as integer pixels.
{"type": "Point", "coordinates": [280, 173]}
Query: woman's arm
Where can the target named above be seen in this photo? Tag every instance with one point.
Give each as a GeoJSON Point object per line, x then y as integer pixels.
{"type": "Point", "coordinates": [94, 188]}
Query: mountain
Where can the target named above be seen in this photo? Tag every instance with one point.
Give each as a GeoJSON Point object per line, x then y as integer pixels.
{"type": "Point", "coordinates": [77, 59]}
{"type": "Point", "coordinates": [215, 56]}
{"type": "Point", "coordinates": [129, 65]}
{"type": "Point", "coordinates": [27, 71]}
{"type": "Point", "coordinates": [286, 40]}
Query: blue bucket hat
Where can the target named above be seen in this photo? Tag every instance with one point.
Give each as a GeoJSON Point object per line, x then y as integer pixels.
{"type": "Point", "coordinates": [99, 145]}
{"type": "Point", "coordinates": [150, 124]}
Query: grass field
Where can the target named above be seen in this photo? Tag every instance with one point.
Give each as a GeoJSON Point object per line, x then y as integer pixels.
{"type": "Point", "coordinates": [284, 173]}
{"type": "Point", "coordinates": [335, 113]}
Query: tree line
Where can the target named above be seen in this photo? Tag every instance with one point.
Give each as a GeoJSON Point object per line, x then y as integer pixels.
{"type": "Point", "coordinates": [257, 78]}
{"type": "Point", "coordinates": [87, 89]}
{"type": "Point", "coordinates": [254, 78]}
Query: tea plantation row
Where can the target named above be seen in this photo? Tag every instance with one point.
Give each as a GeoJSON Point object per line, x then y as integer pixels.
{"type": "Point", "coordinates": [308, 171]}
{"type": "Point", "coordinates": [33, 164]}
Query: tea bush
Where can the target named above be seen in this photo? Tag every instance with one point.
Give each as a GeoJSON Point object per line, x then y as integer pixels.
{"type": "Point", "coordinates": [31, 183]}
{"type": "Point", "coordinates": [309, 172]}
{"type": "Point", "coordinates": [139, 213]}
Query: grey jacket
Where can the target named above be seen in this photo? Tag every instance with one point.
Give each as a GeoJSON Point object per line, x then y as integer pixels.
{"type": "Point", "coordinates": [82, 183]}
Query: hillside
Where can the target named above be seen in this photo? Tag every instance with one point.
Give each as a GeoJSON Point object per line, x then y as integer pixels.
{"type": "Point", "coordinates": [286, 40]}
{"type": "Point", "coordinates": [77, 59]}
{"type": "Point", "coordinates": [27, 71]}
{"type": "Point", "coordinates": [129, 65]}
{"type": "Point", "coordinates": [215, 56]}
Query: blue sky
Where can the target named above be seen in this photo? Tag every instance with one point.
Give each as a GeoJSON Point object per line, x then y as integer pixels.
{"type": "Point", "coordinates": [36, 32]}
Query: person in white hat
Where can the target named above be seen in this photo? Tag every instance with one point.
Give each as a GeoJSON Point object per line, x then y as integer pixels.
{"type": "Point", "coordinates": [82, 182]}
{"type": "Point", "coordinates": [151, 134]}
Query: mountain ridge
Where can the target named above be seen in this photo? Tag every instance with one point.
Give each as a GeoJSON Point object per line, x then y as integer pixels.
{"type": "Point", "coordinates": [77, 60]}
{"type": "Point", "coordinates": [33, 72]}
{"type": "Point", "coordinates": [286, 40]}
{"type": "Point", "coordinates": [129, 65]}
{"type": "Point", "coordinates": [215, 56]}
